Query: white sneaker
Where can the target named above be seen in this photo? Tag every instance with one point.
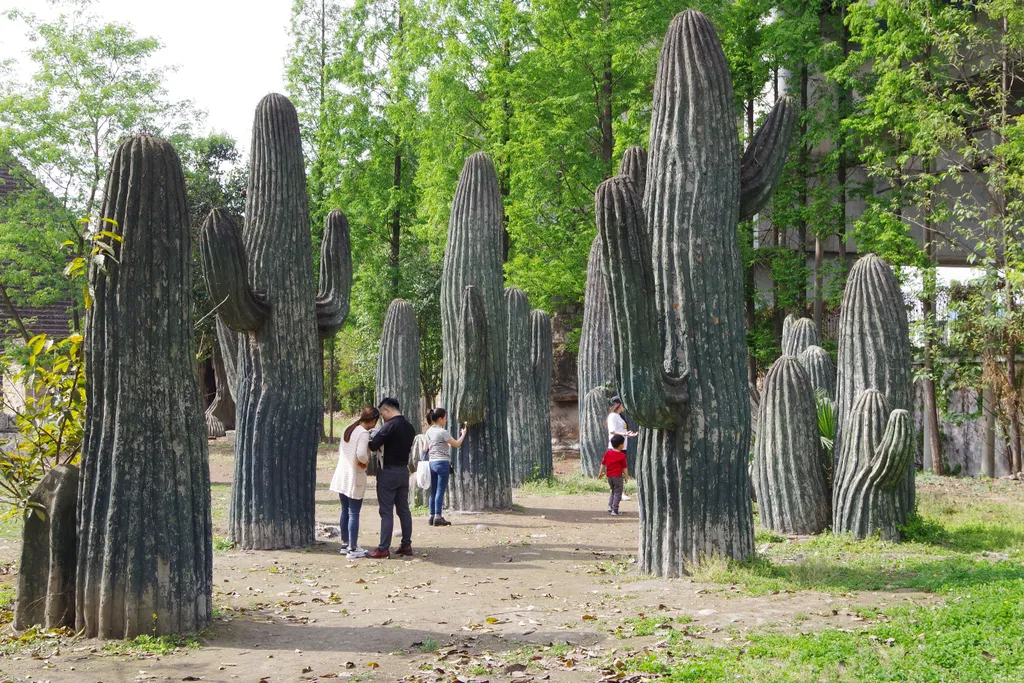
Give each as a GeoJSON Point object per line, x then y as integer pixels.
{"type": "Point", "coordinates": [356, 553]}
{"type": "Point", "coordinates": [625, 497]}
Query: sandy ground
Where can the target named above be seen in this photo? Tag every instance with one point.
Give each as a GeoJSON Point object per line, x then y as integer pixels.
{"type": "Point", "coordinates": [555, 570]}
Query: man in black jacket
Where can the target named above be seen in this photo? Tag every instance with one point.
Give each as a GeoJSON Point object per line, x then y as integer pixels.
{"type": "Point", "coordinates": [396, 437]}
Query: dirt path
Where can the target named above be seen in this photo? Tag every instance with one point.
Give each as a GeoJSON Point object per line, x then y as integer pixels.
{"type": "Point", "coordinates": [555, 570]}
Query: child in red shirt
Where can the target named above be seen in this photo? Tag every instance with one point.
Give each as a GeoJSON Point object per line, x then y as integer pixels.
{"type": "Point", "coordinates": [614, 464]}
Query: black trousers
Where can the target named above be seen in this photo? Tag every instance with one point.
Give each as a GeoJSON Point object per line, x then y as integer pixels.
{"type": "Point", "coordinates": [393, 494]}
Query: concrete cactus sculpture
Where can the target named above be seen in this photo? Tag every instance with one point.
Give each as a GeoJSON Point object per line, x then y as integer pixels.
{"type": "Point", "coordinates": [220, 415]}
{"type": "Point", "coordinates": [674, 280]}
{"type": "Point", "coordinates": [46, 575]}
{"type": "Point", "coordinates": [543, 362]}
{"type": "Point", "coordinates": [820, 370]}
{"type": "Point", "coordinates": [262, 282]}
{"type": "Point", "coordinates": [874, 353]}
{"type": "Point", "coordinates": [871, 468]}
{"type": "Point", "coordinates": [789, 472]}
{"type": "Point", "coordinates": [145, 540]}
{"type": "Point", "coordinates": [398, 362]}
{"type": "Point", "coordinates": [798, 336]}
{"type": "Point", "coordinates": [523, 407]}
{"type": "Point", "coordinates": [475, 380]}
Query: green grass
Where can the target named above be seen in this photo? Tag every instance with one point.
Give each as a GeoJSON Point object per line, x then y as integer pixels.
{"type": "Point", "coordinates": [574, 484]}
{"type": "Point", "coordinates": [155, 645]}
{"type": "Point", "coordinates": [428, 645]}
{"type": "Point", "coordinates": [7, 596]}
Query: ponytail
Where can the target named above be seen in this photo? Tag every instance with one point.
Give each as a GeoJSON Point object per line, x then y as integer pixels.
{"type": "Point", "coordinates": [367, 415]}
{"type": "Point", "coordinates": [435, 414]}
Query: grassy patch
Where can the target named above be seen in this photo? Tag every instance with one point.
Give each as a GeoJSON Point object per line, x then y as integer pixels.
{"type": "Point", "coordinates": [222, 544]}
{"type": "Point", "coordinates": [155, 645]}
{"type": "Point", "coordinates": [975, 635]}
{"type": "Point", "coordinates": [572, 485]}
{"type": "Point", "coordinates": [428, 645]}
{"type": "Point", "coordinates": [7, 596]}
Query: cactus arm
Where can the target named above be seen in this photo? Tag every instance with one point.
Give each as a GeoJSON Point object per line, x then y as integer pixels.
{"type": "Point", "coordinates": [765, 157]}
{"type": "Point", "coordinates": [239, 306]}
{"type": "Point", "coordinates": [470, 400]}
{"type": "Point", "coordinates": [653, 397]}
{"type": "Point", "coordinates": [893, 454]}
{"type": "Point", "coordinates": [634, 167]}
{"type": "Point", "coordinates": [332, 300]}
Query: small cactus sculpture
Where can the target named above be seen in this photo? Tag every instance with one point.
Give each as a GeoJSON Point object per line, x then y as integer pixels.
{"type": "Point", "coordinates": [871, 469]}
{"type": "Point", "coordinates": [789, 474]}
{"type": "Point", "coordinates": [595, 364]}
{"type": "Point", "coordinates": [398, 362]}
{"type": "Point", "coordinates": [145, 540]}
{"type": "Point", "coordinates": [798, 335]}
{"type": "Point", "coordinates": [874, 353]}
{"type": "Point", "coordinates": [820, 370]}
{"type": "Point", "coordinates": [261, 282]}
{"type": "Point", "coordinates": [542, 357]}
{"type": "Point", "coordinates": [475, 381]}
{"type": "Point", "coordinates": [692, 464]}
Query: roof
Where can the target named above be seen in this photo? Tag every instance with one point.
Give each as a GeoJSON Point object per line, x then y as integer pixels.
{"type": "Point", "coordinates": [52, 320]}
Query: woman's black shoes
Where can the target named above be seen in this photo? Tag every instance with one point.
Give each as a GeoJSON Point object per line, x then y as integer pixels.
{"type": "Point", "coordinates": [441, 521]}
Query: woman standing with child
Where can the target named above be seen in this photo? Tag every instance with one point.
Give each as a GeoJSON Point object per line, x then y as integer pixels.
{"type": "Point", "coordinates": [441, 443]}
{"type": "Point", "coordinates": [349, 480]}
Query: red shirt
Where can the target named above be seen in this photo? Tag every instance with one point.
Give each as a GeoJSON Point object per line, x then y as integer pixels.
{"type": "Point", "coordinates": [614, 462]}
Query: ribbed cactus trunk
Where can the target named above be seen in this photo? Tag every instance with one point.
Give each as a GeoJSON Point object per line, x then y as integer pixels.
{"type": "Point", "coordinates": [595, 364]}
{"type": "Point", "coordinates": [264, 280]}
{"type": "Point", "coordinates": [543, 362]}
{"type": "Point", "coordinates": [681, 354]}
{"type": "Point", "coordinates": [145, 555]}
{"type": "Point", "coordinates": [524, 429]}
{"type": "Point", "coordinates": [874, 353]}
{"type": "Point", "coordinates": [475, 380]}
{"type": "Point", "coordinates": [398, 362]}
{"type": "Point", "coordinates": [799, 335]}
{"type": "Point", "coordinates": [876, 452]}
{"type": "Point", "coordinates": [220, 415]}
{"type": "Point", "coordinates": [227, 340]}
{"type": "Point", "coordinates": [789, 470]}
{"type": "Point", "coordinates": [820, 370]}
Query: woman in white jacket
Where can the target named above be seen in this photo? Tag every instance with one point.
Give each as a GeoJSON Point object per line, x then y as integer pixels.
{"type": "Point", "coordinates": [349, 480]}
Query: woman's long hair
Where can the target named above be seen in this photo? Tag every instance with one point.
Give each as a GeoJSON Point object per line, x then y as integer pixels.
{"type": "Point", "coordinates": [368, 415]}
{"type": "Point", "coordinates": [435, 414]}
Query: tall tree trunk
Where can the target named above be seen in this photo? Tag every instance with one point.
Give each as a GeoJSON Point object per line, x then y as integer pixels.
{"type": "Point", "coordinates": [749, 287]}
{"type": "Point", "coordinates": [607, 137]}
{"type": "Point", "coordinates": [396, 222]}
{"type": "Point", "coordinates": [988, 432]}
{"type": "Point", "coordinates": [805, 155]}
{"type": "Point", "coordinates": [931, 422]}
{"type": "Point", "coordinates": [15, 315]}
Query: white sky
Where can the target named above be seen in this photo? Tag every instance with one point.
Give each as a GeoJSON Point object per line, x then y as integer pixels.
{"type": "Point", "coordinates": [229, 53]}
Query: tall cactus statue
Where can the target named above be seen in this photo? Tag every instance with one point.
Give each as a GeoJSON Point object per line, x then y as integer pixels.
{"type": "Point", "coordinates": [475, 379]}
{"type": "Point", "coordinates": [798, 336]}
{"type": "Point", "coordinates": [789, 472]}
{"type": "Point", "coordinates": [876, 452]}
{"type": "Point", "coordinates": [675, 288]}
{"type": "Point", "coordinates": [145, 541]}
{"type": "Point", "coordinates": [523, 408]}
{"type": "Point", "coordinates": [262, 283]}
{"type": "Point", "coordinates": [543, 362]}
{"type": "Point", "coordinates": [874, 353]}
{"type": "Point", "coordinates": [820, 369]}
{"type": "Point", "coordinates": [398, 363]}
{"type": "Point", "coordinates": [595, 364]}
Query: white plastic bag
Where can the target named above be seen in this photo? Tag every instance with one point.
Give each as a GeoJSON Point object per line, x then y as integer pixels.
{"type": "Point", "coordinates": [423, 474]}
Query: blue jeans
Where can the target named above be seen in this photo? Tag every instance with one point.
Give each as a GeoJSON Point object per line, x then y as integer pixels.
{"type": "Point", "coordinates": [349, 528]}
{"type": "Point", "coordinates": [440, 470]}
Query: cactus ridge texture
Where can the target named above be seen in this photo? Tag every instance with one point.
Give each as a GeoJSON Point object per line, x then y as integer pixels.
{"type": "Point", "coordinates": [762, 162]}
{"type": "Point", "coordinates": [634, 167]}
{"type": "Point", "coordinates": [876, 453]}
{"type": "Point", "coordinates": [789, 474]}
{"type": "Point", "coordinates": [820, 370]}
{"type": "Point", "coordinates": [798, 335]}
{"type": "Point", "coordinates": [542, 359]}
{"type": "Point", "coordinates": [674, 281]}
{"type": "Point", "coordinates": [398, 362]}
{"type": "Point", "coordinates": [593, 425]}
{"type": "Point", "coordinates": [595, 362]}
{"type": "Point", "coordinates": [220, 415]}
{"type": "Point", "coordinates": [475, 380]}
{"type": "Point", "coordinates": [145, 541]}
{"type": "Point", "coordinates": [523, 408]}
{"type": "Point", "coordinates": [874, 352]}
{"type": "Point", "coordinates": [265, 281]}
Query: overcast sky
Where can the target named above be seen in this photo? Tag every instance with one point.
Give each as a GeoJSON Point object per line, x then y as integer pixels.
{"type": "Point", "coordinates": [229, 53]}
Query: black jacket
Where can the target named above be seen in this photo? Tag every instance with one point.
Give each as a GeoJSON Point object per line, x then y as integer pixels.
{"type": "Point", "coordinates": [396, 436]}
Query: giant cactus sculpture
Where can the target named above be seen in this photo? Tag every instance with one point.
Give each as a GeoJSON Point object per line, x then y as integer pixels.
{"type": "Point", "coordinates": [145, 542]}
{"type": "Point", "coordinates": [874, 353]}
{"type": "Point", "coordinates": [820, 369]}
{"type": "Point", "coordinates": [398, 362]}
{"type": "Point", "coordinates": [871, 469]}
{"type": "Point", "coordinates": [677, 309]}
{"type": "Point", "coordinates": [789, 474]}
{"type": "Point", "coordinates": [543, 362]}
{"type": "Point", "coordinates": [220, 414]}
{"type": "Point", "coordinates": [263, 286]}
{"type": "Point", "coordinates": [523, 408]}
{"type": "Point", "coordinates": [475, 380]}
{"type": "Point", "coordinates": [595, 363]}
{"type": "Point", "coordinates": [798, 336]}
